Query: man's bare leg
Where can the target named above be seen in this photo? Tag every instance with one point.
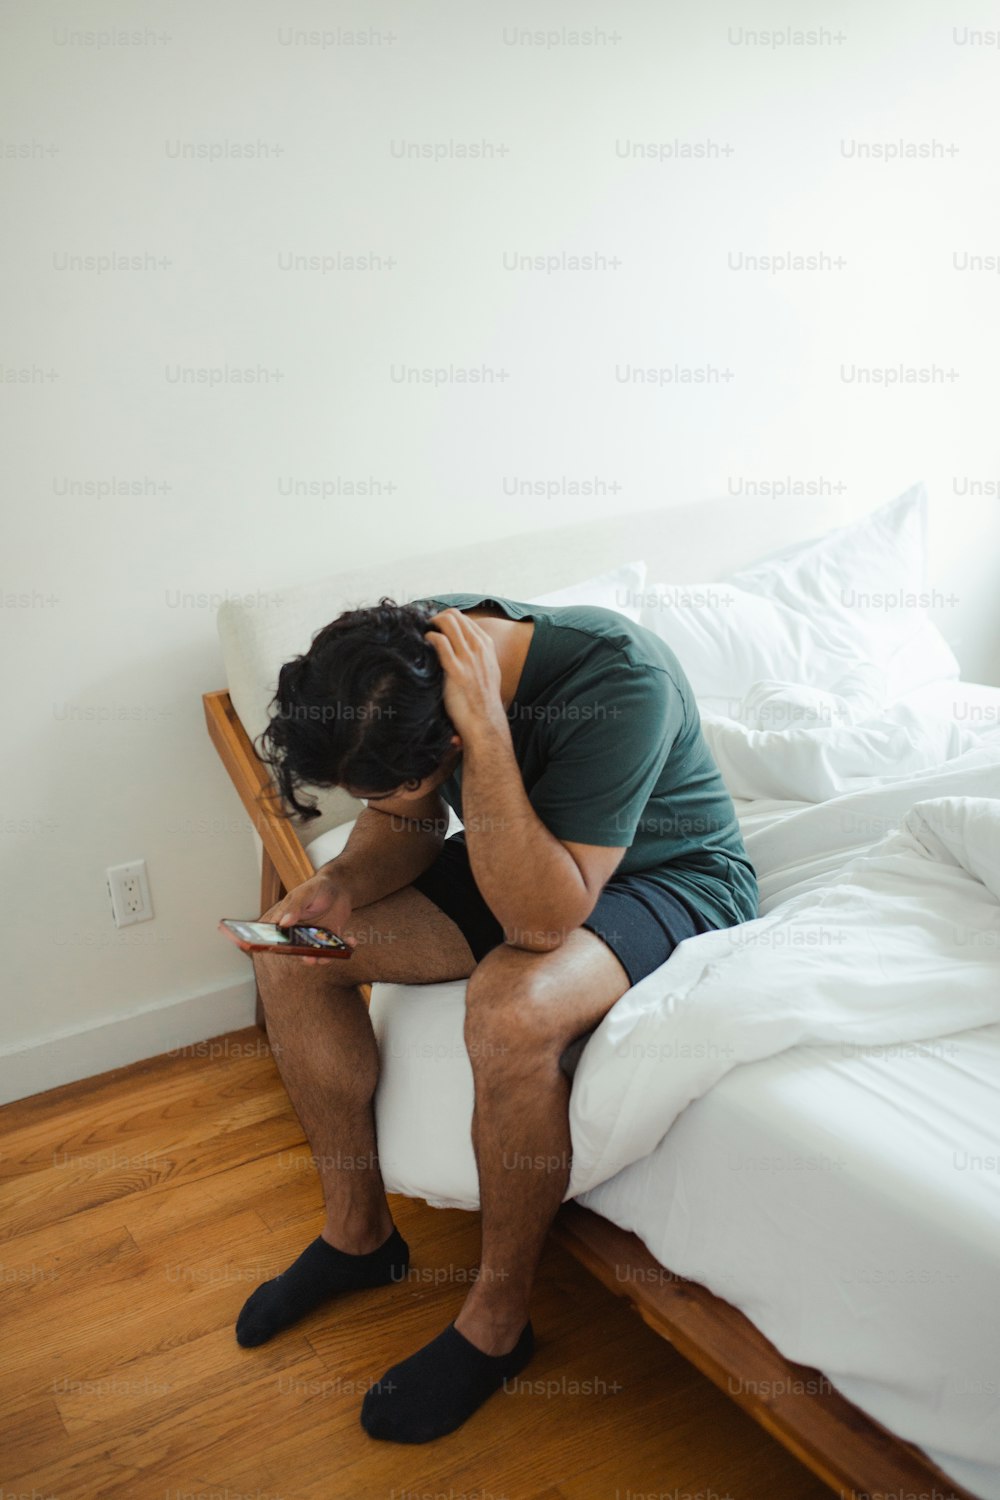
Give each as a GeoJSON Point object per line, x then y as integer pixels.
{"type": "Point", "coordinates": [326, 1053]}
{"type": "Point", "coordinates": [523, 1010]}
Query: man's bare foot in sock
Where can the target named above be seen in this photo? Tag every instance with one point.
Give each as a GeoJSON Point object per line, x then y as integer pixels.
{"type": "Point", "coordinates": [321, 1271]}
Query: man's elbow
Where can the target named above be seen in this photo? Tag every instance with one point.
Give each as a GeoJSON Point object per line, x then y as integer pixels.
{"type": "Point", "coordinates": [544, 937]}
{"type": "Point", "coordinates": [534, 939]}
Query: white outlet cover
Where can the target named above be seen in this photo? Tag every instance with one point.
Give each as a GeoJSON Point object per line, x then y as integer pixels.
{"type": "Point", "coordinates": [129, 891]}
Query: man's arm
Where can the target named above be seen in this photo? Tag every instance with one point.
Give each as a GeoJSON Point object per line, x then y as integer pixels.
{"type": "Point", "coordinates": [537, 886]}
{"type": "Point", "coordinates": [389, 847]}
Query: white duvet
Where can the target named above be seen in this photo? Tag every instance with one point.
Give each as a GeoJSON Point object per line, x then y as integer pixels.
{"type": "Point", "coordinates": [866, 935]}
{"type": "Point", "coordinates": [903, 946]}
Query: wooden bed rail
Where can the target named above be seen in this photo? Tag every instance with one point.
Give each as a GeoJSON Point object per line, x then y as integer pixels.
{"type": "Point", "coordinates": [250, 778]}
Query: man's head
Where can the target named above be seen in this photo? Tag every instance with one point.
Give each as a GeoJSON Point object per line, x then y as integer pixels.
{"type": "Point", "coordinates": [362, 709]}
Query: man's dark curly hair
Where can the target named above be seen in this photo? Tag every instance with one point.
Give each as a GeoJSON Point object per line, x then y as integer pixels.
{"type": "Point", "coordinates": [363, 707]}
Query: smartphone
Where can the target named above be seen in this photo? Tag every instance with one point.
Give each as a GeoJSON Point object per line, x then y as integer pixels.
{"type": "Point", "coordinates": [301, 941]}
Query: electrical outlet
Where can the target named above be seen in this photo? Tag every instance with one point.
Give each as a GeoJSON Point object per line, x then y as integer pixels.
{"type": "Point", "coordinates": [129, 892]}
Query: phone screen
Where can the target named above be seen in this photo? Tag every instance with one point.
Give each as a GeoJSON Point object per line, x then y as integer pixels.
{"type": "Point", "coordinates": [285, 937]}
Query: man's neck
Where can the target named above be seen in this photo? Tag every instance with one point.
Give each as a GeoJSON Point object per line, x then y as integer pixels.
{"type": "Point", "coordinates": [511, 639]}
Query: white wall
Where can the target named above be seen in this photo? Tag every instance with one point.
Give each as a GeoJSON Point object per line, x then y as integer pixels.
{"type": "Point", "coordinates": [111, 640]}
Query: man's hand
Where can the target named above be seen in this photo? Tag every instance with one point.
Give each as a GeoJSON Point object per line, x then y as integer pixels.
{"type": "Point", "coordinates": [468, 656]}
{"type": "Point", "coordinates": [321, 901]}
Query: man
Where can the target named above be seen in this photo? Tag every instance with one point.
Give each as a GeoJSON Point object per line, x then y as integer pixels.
{"type": "Point", "coordinates": [598, 835]}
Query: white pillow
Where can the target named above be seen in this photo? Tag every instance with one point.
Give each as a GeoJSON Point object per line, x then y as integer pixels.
{"type": "Point", "coordinates": [811, 612]}
{"type": "Point", "coordinates": [864, 585]}
{"type": "Point", "coordinates": [619, 589]}
{"type": "Point", "coordinates": [727, 639]}
{"type": "Point", "coordinates": [925, 658]}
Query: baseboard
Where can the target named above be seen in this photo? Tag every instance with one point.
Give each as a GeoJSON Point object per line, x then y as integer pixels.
{"type": "Point", "coordinates": [71, 1055]}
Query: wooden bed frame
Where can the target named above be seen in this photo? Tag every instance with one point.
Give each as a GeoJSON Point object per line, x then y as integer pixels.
{"type": "Point", "coordinates": [854, 1455]}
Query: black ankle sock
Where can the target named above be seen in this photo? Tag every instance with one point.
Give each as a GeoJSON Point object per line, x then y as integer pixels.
{"type": "Point", "coordinates": [320, 1271]}
{"type": "Point", "coordinates": [439, 1387]}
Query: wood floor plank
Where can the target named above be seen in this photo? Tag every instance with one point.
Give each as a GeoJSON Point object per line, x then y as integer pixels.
{"type": "Point", "coordinates": [136, 1304]}
{"type": "Point", "coordinates": [35, 1268]}
{"type": "Point", "coordinates": [250, 1184]}
{"type": "Point", "coordinates": [182, 1070]}
{"type": "Point", "coordinates": [82, 1126]}
{"type": "Point", "coordinates": [270, 1406]}
{"type": "Point", "coordinates": [93, 1174]}
{"type": "Point", "coordinates": [31, 1427]}
{"type": "Point", "coordinates": [165, 1433]}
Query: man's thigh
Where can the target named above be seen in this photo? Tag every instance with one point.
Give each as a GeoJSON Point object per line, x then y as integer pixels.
{"type": "Point", "coordinates": [401, 939]}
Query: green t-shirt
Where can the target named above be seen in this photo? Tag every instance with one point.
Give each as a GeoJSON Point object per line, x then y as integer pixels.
{"type": "Point", "coordinates": [609, 744]}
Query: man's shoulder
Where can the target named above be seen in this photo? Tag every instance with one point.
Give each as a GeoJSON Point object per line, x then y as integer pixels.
{"type": "Point", "coordinates": [635, 648]}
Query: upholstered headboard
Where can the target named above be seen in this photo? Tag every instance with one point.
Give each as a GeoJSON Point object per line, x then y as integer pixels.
{"type": "Point", "coordinates": [682, 544]}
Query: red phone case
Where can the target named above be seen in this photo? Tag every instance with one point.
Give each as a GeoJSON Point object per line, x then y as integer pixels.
{"type": "Point", "coordinates": [293, 951]}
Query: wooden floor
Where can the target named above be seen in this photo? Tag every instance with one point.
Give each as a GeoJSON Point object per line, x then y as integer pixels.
{"type": "Point", "coordinates": [137, 1212]}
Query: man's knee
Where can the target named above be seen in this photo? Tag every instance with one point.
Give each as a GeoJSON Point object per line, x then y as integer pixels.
{"type": "Point", "coordinates": [508, 1006]}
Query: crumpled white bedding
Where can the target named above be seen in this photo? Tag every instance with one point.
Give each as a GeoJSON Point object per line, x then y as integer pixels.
{"type": "Point", "coordinates": [816, 762]}
{"type": "Point", "coordinates": [880, 955]}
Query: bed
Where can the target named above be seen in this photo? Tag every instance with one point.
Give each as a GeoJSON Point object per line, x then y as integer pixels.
{"type": "Point", "coordinates": [833, 1271]}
